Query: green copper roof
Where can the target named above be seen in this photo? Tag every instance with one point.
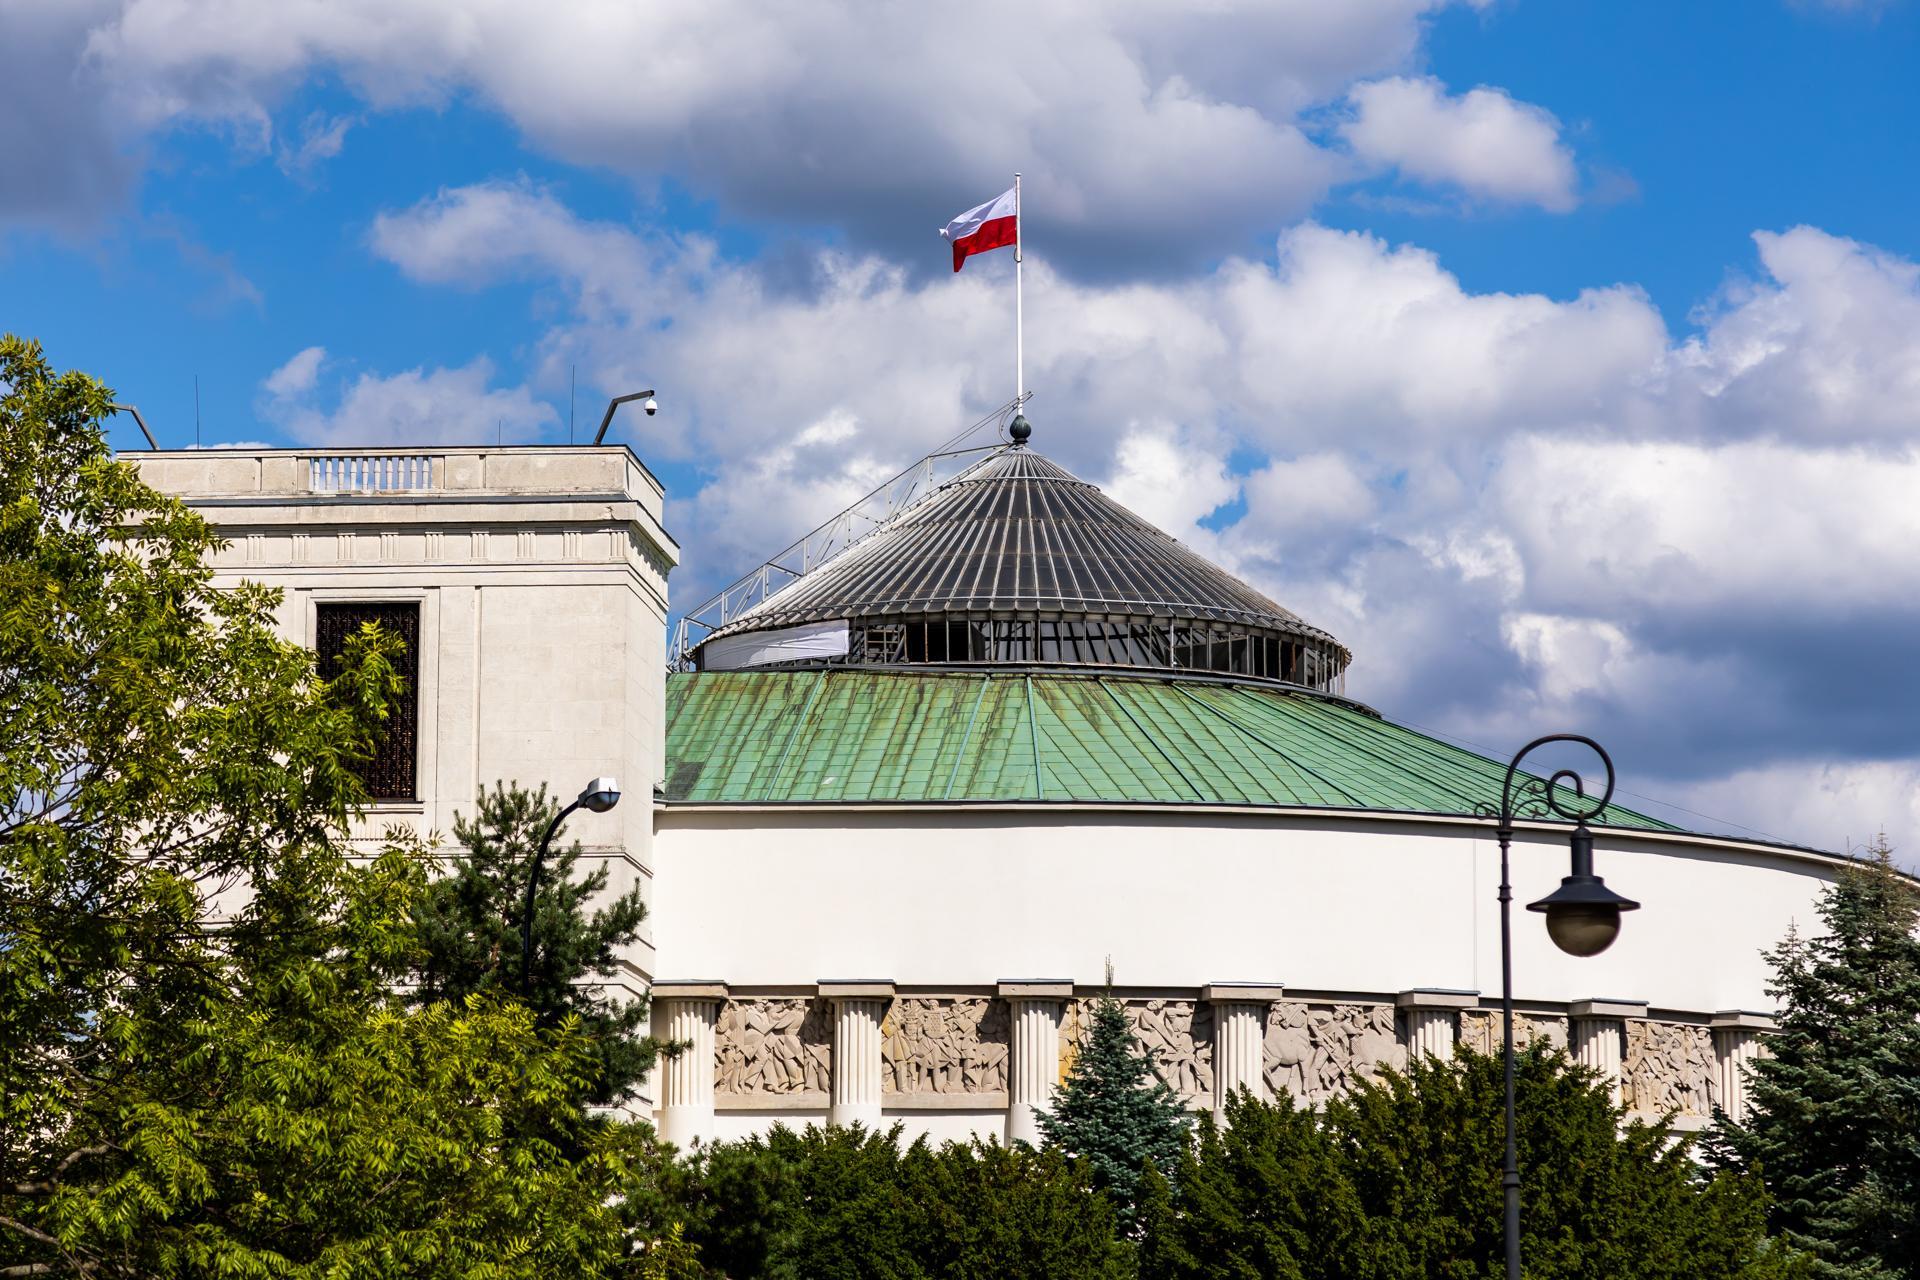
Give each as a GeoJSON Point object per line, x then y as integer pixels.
{"type": "Point", "coordinates": [809, 737]}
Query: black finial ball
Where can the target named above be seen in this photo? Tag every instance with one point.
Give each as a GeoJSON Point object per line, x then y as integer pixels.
{"type": "Point", "coordinates": [1020, 430]}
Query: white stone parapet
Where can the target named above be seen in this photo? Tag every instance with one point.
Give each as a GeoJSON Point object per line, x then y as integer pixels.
{"type": "Point", "coordinates": [1430, 1020]}
{"type": "Point", "coordinates": [859, 1067]}
{"type": "Point", "coordinates": [1737, 1041]}
{"type": "Point", "coordinates": [1597, 1035]}
{"type": "Point", "coordinates": [1033, 1069]}
{"type": "Point", "coordinates": [685, 1013]}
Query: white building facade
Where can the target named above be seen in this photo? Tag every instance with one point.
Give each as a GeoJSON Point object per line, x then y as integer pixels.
{"type": "Point", "coordinates": [894, 821]}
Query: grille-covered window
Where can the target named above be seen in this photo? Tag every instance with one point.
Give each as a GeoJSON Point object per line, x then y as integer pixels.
{"type": "Point", "coordinates": [390, 774]}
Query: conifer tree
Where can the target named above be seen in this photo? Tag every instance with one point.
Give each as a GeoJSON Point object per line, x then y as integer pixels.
{"type": "Point", "coordinates": [1115, 1115]}
{"type": "Point", "coordinates": [470, 933]}
{"type": "Point", "coordinates": [1834, 1120]}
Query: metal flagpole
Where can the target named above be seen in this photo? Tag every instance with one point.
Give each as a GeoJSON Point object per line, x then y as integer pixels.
{"type": "Point", "coordinates": [1019, 315]}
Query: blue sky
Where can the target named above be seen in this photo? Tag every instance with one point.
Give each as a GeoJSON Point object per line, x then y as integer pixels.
{"type": "Point", "coordinates": [1559, 357]}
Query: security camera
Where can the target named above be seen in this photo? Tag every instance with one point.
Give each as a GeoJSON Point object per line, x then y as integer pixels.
{"type": "Point", "coordinates": [652, 406]}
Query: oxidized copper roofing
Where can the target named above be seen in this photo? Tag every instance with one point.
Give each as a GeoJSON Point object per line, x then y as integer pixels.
{"type": "Point", "coordinates": [1020, 534]}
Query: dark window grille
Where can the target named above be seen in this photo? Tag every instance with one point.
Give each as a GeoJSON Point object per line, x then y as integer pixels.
{"type": "Point", "coordinates": [389, 775]}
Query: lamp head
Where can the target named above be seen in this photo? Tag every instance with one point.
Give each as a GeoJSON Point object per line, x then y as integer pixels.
{"type": "Point", "coordinates": [600, 795]}
{"type": "Point", "coordinates": [1583, 915]}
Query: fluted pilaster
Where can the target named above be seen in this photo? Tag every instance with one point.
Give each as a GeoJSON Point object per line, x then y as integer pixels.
{"type": "Point", "coordinates": [1239, 1039]}
{"type": "Point", "coordinates": [1033, 1067]}
{"type": "Point", "coordinates": [686, 1013]}
{"type": "Point", "coordinates": [858, 1010]}
{"type": "Point", "coordinates": [1597, 1036]}
{"type": "Point", "coordinates": [1738, 1039]}
{"type": "Point", "coordinates": [1430, 1020]}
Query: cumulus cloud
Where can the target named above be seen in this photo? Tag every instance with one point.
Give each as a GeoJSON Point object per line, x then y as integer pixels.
{"type": "Point", "coordinates": [413, 407]}
{"type": "Point", "coordinates": [1482, 142]}
{"type": "Point", "coordinates": [67, 156]}
{"type": "Point", "coordinates": [1151, 123]}
{"type": "Point", "coordinates": [297, 375]}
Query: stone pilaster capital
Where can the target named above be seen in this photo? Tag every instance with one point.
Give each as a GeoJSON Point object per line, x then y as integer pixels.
{"type": "Point", "coordinates": [1242, 992]}
{"type": "Point", "coordinates": [688, 989]}
{"type": "Point", "coordinates": [1437, 998]}
{"type": "Point", "coordinates": [1743, 1020]}
{"type": "Point", "coordinates": [1604, 1007]}
{"type": "Point", "coordinates": [1035, 989]}
{"type": "Point", "coordinates": [857, 988]}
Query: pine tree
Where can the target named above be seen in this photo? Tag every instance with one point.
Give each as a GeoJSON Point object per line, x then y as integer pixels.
{"type": "Point", "coordinates": [1834, 1120]}
{"type": "Point", "coordinates": [1115, 1115]}
{"type": "Point", "coordinates": [470, 933]}
{"type": "Point", "coordinates": [1401, 1178]}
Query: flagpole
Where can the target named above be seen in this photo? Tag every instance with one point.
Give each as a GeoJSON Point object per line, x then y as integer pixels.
{"type": "Point", "coordinates": [1019, 312]}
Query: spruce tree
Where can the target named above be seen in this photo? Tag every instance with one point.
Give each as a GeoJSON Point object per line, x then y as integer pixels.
{"type": "Point", "coordinates": [1834, 1119]}
{"type": "Point", "coordinates": [1115, 1115]}
{"type": "Point", "coordinates": [470, 933]}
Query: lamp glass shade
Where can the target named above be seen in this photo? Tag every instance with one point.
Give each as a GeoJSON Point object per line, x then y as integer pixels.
{"type": "Point", "coordinates": [1583, 929]}
{"type": "Point", "coordinates": [1583, 915]}
{"type": "Point", "coordinates": [600, 795]}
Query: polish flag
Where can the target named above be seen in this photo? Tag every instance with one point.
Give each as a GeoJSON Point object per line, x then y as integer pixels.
{"type": "Point", "coordinates": [993, 225]}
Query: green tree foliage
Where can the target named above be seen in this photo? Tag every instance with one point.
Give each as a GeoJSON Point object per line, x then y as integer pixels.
{"type": "Point", "coordinates": [470, 934]}
{"type": "Point", "coordinates": [1834, 1121]}
{"type": "Point", "coordinates": [1401, 1180]}
{"type": "Point", "coordinates": [846, 1202]}
{"type": "Point", "coordinates": [187, 1092]}
{"type": "Point", "coordinates": [1114, 1114]}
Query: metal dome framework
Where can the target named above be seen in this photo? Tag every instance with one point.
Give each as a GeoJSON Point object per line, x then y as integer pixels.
{"type": "Point", "coordinates": [1016, 561]}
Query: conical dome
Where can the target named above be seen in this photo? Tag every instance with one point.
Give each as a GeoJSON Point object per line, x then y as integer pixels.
{"type": "Point", "coordinates": [1017, 560]}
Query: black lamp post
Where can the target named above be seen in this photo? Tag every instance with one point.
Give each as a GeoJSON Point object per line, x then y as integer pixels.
{"type": "Point", "coordinates": [1583, 915]}
{"type": "Point", "coordinates": [599, 796]}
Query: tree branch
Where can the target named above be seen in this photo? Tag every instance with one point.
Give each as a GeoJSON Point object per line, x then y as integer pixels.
{"type": "Point", "coordinates": [46, 1185]}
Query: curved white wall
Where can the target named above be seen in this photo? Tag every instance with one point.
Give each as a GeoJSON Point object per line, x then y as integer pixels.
{"type": "Point", "coordinates": [1180, 897]}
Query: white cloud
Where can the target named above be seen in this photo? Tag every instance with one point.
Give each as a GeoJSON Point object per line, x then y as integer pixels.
{"type": "Point", "coordinates": [1148, 123]}
{"type": "Point", "coordinates": [322, 137]}
{"type": "Point", "coordinates": [1483, 141]}
{"type": "Point", "coordinates": [1303, 496]}
{"type": "Point", "coordinates": [1691, 529]}
{"type": "Point", "coordinates": [414, 407]}
{"type": "Point", "coordinates": [67, 154]}
{"type": "Point", "coordinates": [1821, 804]}
{"type": "Point", "coordinates": [297, 375]}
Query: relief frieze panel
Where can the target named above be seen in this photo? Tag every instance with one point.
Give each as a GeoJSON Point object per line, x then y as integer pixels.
{"type": "Point", "coordinates": [1669, 1066]}
{"type": "Point", "coordinates": [1316, 1052]}
{"type": "Point", "coordinates": [1482, 1031]}
{"type": "Point", "coordinates": [1177, 1036]}
{"type": "Point", "coordinates": [774, 1045]}
{"type": "Point", "coordinates": [944, 1045]}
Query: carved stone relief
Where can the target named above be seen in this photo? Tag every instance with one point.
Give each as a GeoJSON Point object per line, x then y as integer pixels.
{"type": "Point", "coordinates": [1317, 1051]}
{"type": "Point", "coordinates": [1481, 1031]}
{"type": "Point", "coordinates": [1176, 1034]}
{"type": "Point", "coordinates": [1668, 1065]}
{"type": "Point", "coordinates": [932, 1045]}
{"type": "Point", "coordinates": [774, 1045]}
{"type": "Point", "coordinates": [1178, 1037]}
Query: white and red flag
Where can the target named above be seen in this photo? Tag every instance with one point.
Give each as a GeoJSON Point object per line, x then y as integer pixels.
{"type": "Point", "coordinates": [993, 225]}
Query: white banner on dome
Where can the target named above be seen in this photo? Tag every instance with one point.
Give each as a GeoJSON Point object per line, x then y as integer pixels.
{"type": "Point", "coordinates": [789, 644]}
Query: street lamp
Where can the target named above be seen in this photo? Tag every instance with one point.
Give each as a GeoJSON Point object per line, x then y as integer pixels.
{"type": "Point", "coordinates": [598, 796]}
{"type": "Point", "coordinates": [1583, 915]}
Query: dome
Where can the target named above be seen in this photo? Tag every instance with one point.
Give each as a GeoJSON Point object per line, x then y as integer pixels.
{"type": "Point", "coordinates": [1018, 561]}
